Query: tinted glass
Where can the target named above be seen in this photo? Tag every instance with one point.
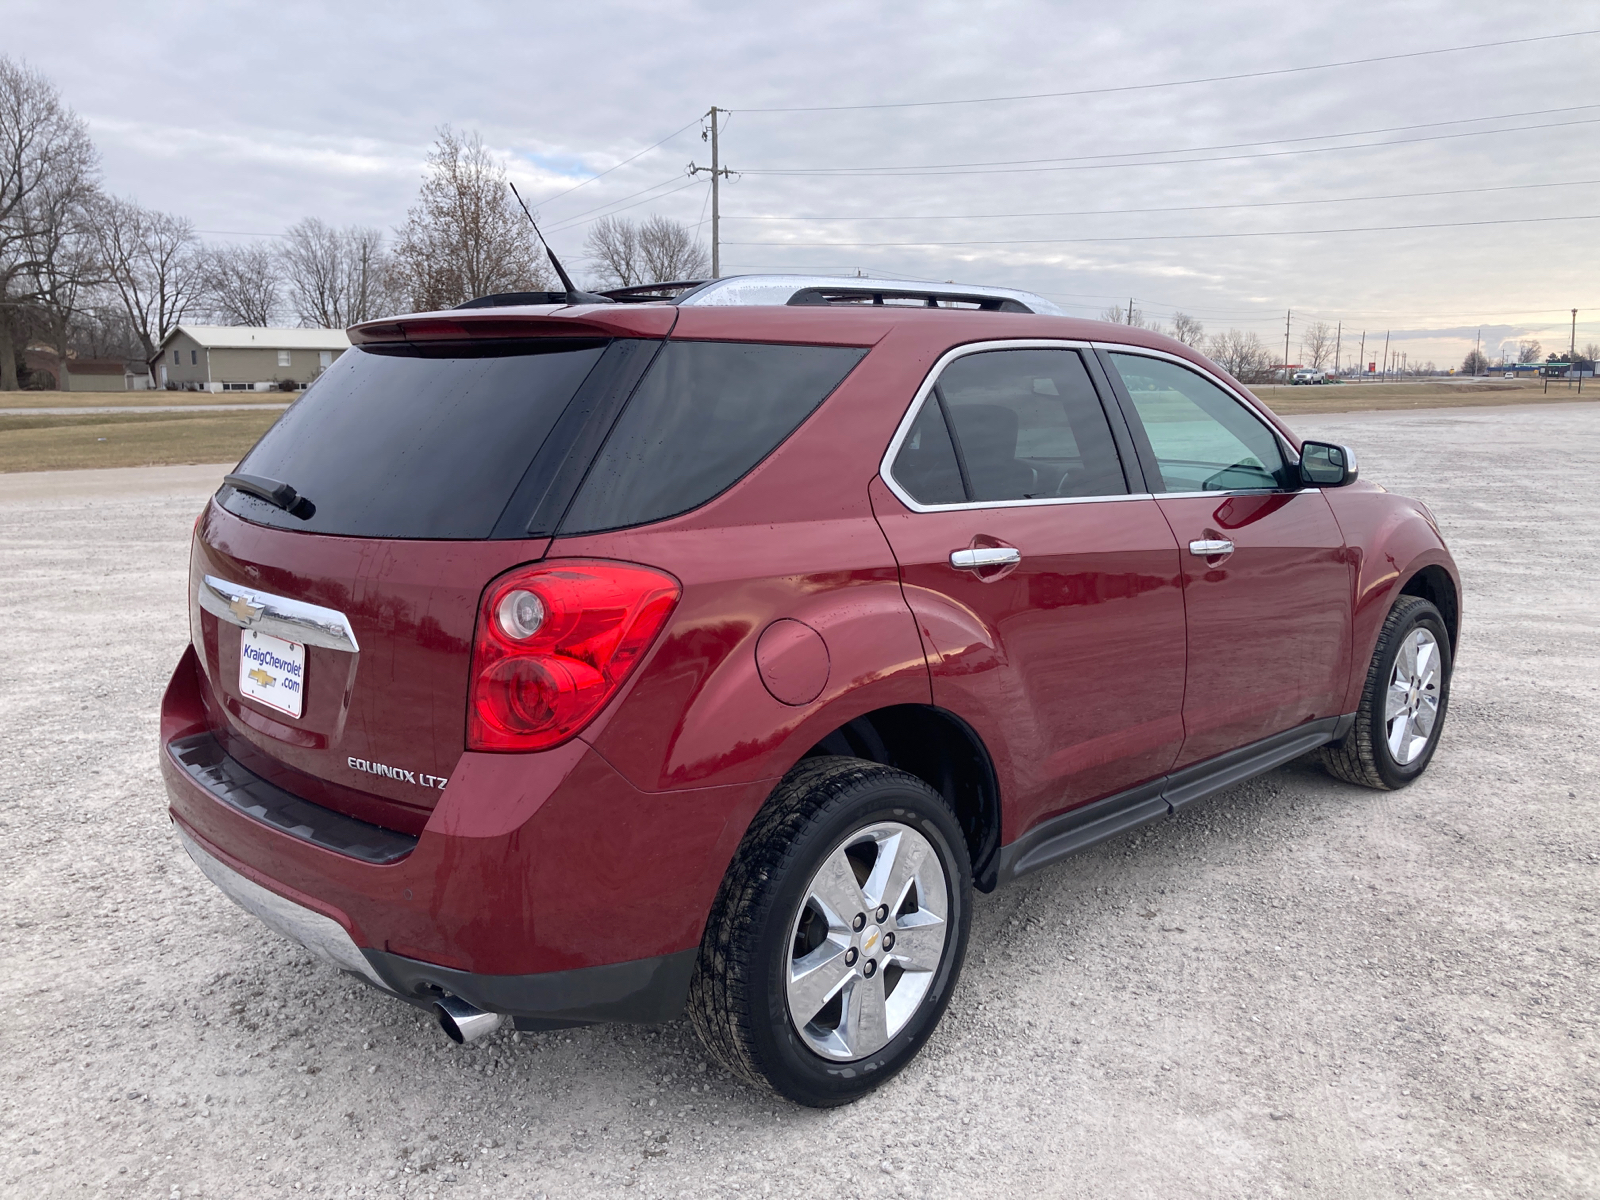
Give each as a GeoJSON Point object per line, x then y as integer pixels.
{"type": "Point", "coordinates": [406, 447]}
{"type": "Point", "coordinates": [1204, 440]}
{"type": "Point", "coordinates": [926, 463]}
{"type": "Point", "coordinates": [1028, 426]}
{"type": "Point", "coordinates": [704, 415]}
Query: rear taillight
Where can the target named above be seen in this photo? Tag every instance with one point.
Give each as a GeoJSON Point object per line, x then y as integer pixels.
{"type": "Point", "coordinates": [554, 643]}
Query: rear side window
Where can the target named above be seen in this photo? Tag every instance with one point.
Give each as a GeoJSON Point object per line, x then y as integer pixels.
{"type": "Point", "coordinates": [704, 415]}
{"type": "Point", "coordinates": [399, 445]}
{"type": "Point", "coordinates": [1019, 425]}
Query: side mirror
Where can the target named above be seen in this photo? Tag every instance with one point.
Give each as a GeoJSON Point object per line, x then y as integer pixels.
{"type": "Point", "coordinates": [1323, 464]}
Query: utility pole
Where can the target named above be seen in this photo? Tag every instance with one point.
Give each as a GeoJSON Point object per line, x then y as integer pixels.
{"type": "Point", "coordinates": [1130, 310]}
{"type": "Point", "coordinates": [1362, 354]}
{"type": "Point", "coordinates": [1287, 314]}
{"type": "Point", "coordinates": [717, 172]}
{"type": "Point", "coordinates": [1386, 355]}
{"type": "Point", "coordinates": [1572, 347]}
{"type": "Point", "coordinates": [1477, 352]}
{"type": "Point", "coordinates": [1338, 340]}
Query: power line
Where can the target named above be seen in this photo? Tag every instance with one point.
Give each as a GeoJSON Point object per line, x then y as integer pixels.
{"type": "Point", "coordinates": [574, 222]}
{"type": "Point", "coordinates": [618, 200]}
{"type": "Point", "coordinates": [905, 173]}
{"type": "Point", "coordinates": [1107, 212]}
{"type": "Point", "coordinates": [623, 163]}
{"type": "Point", "coordinates": [1315, 137]}
{"type": "Point", "coordinates": [1142, 87]}
{"type": "Point", "coordinates": [1177, 237]}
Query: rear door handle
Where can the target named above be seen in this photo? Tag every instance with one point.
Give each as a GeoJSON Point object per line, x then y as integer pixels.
{"type": "Point", "coordinates": [978, 558]}
{"type": "Point", "coordinates": [1210, 547]}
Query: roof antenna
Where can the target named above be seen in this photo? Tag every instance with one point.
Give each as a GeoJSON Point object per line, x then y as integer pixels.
{"type": "Point", "coordinates": [574, 296]}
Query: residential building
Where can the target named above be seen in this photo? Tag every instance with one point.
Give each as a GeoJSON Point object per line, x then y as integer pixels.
{"type": "Point", "coordinates": [229, 358]}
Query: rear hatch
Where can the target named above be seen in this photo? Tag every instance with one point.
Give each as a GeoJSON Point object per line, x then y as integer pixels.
{"type": "Point", "coordinates": [334, 618]}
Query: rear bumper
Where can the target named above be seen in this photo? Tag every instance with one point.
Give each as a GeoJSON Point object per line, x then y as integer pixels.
{"type": "Point", "coordinates": [645, 990]}
{"type": "Point", "coordinates": [544, 886]}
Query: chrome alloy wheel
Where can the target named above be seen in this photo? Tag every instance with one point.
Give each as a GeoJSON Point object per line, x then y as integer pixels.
{"type": "Point", "coordinates": [1412, 705]}
{"type": "Point", "coordinates": [867, 940]}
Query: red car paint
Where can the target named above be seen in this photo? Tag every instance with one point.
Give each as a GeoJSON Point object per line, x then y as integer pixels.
{"type": "Point", "coordinates": [810, 595]}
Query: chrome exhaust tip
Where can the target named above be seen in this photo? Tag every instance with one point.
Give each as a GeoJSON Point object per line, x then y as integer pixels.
{"type": "Point", "coordinates": [462, 1022]}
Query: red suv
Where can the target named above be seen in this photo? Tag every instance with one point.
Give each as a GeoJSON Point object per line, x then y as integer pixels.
{"type": "Point", "coordinates": [566, 663]}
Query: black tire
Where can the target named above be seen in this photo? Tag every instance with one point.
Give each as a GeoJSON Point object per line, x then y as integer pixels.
{"type": "Point", "coordinates": [1362, 756]}
{"type": "Point", "coordinates": [738, 1000]}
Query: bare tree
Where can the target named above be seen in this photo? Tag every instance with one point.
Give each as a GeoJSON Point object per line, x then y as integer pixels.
{"type": "Point", "coordinates": [104, 331]}
{"type": "Point", "coordinates": [47, 173]}
{"type": "Point", "coordinates": [1188, 330]}
{"type": "Point", "coordinates": [669, 252]}
{"type": "Point", "coordinates": [466, 236]}
{"type": "Point", "coordinates": [1241, 355]}
{"type": "Point", "coordinates": [613, 248]}
{"type": "Point", "coordinates": [243, 284]}
{"type": "Point", "coordinates": [338, 277]}
{"type": "Point", "coordinates": [1591, 352]}
{"type": "Point", "coordinates": [1476, 363]}
{"type": "Point", "coordinates": [1117, 315]}
{"type": "Point", "coordinates": [1529, 352]}
{"type": "Point", "coordinates": [150, 258]}
{"type": "Point", "coordinates": [1316, 344]}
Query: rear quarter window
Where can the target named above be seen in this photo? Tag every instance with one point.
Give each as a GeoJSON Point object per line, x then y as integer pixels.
{"type": "Point", "coordinates": [704, 415]}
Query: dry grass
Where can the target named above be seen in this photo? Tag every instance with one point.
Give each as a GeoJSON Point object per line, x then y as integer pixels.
{"type": "Point", "coordinates": [1383, 397]}
{"type": "Point", "coordinates": [33, 399]}
{"type": "Point", "coordinates": [52, 443]}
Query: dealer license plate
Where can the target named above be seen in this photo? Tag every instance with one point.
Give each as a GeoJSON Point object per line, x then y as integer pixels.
{"type": "Point", "coordinates": [272, 671]}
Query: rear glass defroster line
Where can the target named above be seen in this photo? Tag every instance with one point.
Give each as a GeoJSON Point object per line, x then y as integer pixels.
{"type": "Point", "coordinates": [558, 468]}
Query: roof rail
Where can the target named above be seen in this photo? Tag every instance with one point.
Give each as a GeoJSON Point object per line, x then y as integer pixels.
{"type": "Point", "coordinates": [800, 290]}
{"type": "Point", "coordinates": [805, 290]}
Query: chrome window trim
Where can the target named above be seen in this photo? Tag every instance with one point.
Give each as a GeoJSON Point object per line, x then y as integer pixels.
{"type": "Point", "coordinates": [903, 430]}
{"type": "Point", "coordinates": [294, 620]}
{"type": "Point", "coordinates": [1291, 456]}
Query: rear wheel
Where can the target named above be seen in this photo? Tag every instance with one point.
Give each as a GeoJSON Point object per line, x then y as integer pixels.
{"type": "Point", "coordinates": [838, 934]}
{"type": "Point", "coordinates": [1403, 704]}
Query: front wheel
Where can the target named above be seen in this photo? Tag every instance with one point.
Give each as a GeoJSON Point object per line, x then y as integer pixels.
{"type": "Point", "coordinates": [838, 933]}
{"type": "Point", "coordinates": [1403, 704]}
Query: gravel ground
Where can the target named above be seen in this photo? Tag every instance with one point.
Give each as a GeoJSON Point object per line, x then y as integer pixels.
{"type": "Point", "coordinates": [1296, 988]}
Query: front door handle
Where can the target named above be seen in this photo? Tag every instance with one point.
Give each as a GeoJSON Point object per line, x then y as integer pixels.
{"type": "Point", "coordinates": [980, 557]}
{"type": "Point", "coordinates": [1210, 547]}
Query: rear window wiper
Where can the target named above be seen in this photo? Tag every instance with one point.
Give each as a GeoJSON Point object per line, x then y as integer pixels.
{"type": "Point", "coordinates": [274, 492]}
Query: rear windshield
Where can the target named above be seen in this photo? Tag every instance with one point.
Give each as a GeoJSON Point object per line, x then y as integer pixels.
{"type": "Point", "coordinates": [402, 446]}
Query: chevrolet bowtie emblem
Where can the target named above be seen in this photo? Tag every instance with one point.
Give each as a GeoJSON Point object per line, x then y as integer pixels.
{"type": "Point", "coordinates": [262, 677]}
{"type": "Point", "coordinates": [246, 609]}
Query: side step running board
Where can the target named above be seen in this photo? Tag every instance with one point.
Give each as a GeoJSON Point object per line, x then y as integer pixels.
{"type": "Point", "coordinates": [1081, 828]}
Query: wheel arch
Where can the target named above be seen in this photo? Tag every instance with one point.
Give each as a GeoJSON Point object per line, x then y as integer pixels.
{"type": "Point", "coordinates": [1435, 585]}
{"type": "Point", "coordinates": [943, 751]}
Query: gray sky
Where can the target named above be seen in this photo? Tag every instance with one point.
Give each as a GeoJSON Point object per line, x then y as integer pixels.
{"type": "Point", "coordinates": [248, 117]}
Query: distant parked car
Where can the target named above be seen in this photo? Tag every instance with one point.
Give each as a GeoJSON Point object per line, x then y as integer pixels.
{"type": "Point", "coordinates": [1511, 374]}
{"type": "Point", "coordinates": [1309, 375]}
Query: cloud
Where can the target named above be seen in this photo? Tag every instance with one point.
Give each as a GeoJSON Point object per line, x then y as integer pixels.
{"type": "Point", "coordinates": [248, 119]}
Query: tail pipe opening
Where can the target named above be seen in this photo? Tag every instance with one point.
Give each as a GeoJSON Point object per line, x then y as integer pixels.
{"type": "Point", "coordinates": [462, 1022]}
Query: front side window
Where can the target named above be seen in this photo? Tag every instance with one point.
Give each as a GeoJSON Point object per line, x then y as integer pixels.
{"type": "Point", "coordinates": [283, 358]}
{"type": "Point", "coordinates": [1010, 425]}
{"type": "Point", "coordinates": [194, 358]}
{"type": "Point", "coordinates": [1203, 439]}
